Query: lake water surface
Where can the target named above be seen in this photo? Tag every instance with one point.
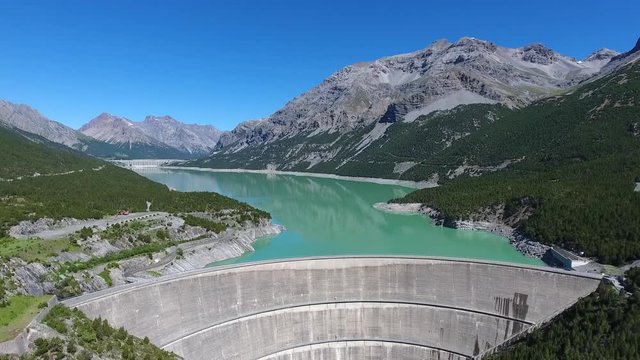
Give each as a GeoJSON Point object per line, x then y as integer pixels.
{"type": "Point", "coordinates": [326, 217]}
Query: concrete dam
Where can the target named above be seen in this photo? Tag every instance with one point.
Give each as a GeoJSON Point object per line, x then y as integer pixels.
{"type": "Point", "coordinates": [341, 308]}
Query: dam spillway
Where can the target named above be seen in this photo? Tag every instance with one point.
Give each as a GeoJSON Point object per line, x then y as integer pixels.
{"type": "Point", "coordinates": [341, 308]}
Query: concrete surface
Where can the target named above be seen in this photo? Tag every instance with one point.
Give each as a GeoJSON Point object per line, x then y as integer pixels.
{"type": "Point", "coordinates": [322, 306]}
{"type": "Point", "coordinates": [362, 350]}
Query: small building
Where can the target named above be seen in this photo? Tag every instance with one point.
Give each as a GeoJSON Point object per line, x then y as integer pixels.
{"type": "Point", "coordinates": [567, 259]}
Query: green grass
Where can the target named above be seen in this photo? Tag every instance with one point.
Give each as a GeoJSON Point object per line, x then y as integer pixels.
{"type": "Point", "coordinates": [20, 310]}
{"type": "Point", "coordinates": [31, 250]}
{"type": "Point", "coordinates": [105, 274]}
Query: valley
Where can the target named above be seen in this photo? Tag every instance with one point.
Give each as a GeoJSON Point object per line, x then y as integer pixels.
{"type": "Point", "coordinates": [505, 155]}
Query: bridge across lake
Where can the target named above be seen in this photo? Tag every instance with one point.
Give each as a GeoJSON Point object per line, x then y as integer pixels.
{"type": "Point", "coordinates": [347, 307]}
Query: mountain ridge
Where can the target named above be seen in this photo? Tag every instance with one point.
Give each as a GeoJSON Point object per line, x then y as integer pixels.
{"type": "Point", "coordinates": [324, 128]}
{"type": "Point", "coordinates": [178, 140]}
{"type": "Point", "coordinates": [162, 132]}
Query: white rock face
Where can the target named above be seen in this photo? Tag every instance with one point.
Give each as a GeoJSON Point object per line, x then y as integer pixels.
{"type": "Point", "coordinates": [406, 86]}
{"type": "Point", "coordinates": [460, 97]}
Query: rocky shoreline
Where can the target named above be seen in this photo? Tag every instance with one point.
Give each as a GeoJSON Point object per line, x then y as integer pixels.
{"type": "Point", "coordinates": [520, 242]}
{"type": "Point", "coordinates": [195, 249]}
{"type": "Point", "coordinates": [227, 245]}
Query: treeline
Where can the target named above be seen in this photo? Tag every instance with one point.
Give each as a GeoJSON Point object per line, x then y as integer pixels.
{"type": "Point", "coordinates": [604, 325]}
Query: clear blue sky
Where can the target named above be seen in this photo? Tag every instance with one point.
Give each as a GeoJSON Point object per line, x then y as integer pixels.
{"type": "Point", "coordinates": [221, 62]}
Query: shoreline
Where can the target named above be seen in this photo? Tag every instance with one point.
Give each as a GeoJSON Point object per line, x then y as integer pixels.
{"type": "Point", "coordinates": [405, 183]}
{"type": "Point", "coordinates": [200, 253]}
{"type": "Point", "coordinates": [522, 244]}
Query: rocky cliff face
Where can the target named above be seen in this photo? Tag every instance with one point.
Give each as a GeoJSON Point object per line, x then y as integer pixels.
{"type": "Point", "coordinates": [366, 98]}
{"type": "Point", "coordinates": [164, 133]}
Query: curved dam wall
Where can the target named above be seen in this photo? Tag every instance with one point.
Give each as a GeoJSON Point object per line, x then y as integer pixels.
{"type": "Point", "coordinates": [335, 308]}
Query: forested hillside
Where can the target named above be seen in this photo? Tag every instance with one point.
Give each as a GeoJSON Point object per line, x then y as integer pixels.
{"type": "Point", "coordinates": [21, 157]}
{"type": "Point", "coordinates": [69, 184]}
{"type": "Point", "coordinates": [575, 160]}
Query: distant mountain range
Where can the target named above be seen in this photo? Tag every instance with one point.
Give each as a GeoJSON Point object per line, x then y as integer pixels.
{"type": "Point", "coordinates": [164, 134]}
{"type": "Point", "coordinates": [331, 127]}
{"type": "Point", "coordinates": [109, 136]}
{"type": "Point", "coordinates": [328, 128]}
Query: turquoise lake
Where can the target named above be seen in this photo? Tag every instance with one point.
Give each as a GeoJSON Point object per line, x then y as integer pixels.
{"type": "Point", "coordinates": [326, 217]}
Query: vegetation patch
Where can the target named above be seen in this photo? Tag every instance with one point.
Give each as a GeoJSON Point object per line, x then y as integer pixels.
{"type": "Point", "coordinates": [105, 274]}
{"type": "Point", "coordinates": [17, 313]}
{"type": "Point", "coordinates": [34, 249]}
{"type": "Point", "coordinates": [208, 224]}
{"type": "Point", "coordinates": [83, 338]}
{"type": "Point", "coordinates": [117, 256]}
{"type": "Point", "coordinates": [586, 207]}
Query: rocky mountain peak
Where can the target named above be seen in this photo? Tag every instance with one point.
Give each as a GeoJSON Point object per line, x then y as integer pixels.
{"type": "Point", "coordinates": [114, 130]}
{"type": "Point", "coordinates": [636, 48]}
{"type": "Point", "coordinates": [624, 58]}
{"type": "Point", "coordinates": [106, 119]}
{"type": "Point", "coordinates": [440, 44]}
{"type": "Point", "coordinates": [406, 86]}
{"type": "Point", "coordinates": [158, 131]}
{"type": "Point", "coordinates": [471, 44]}
{"type": "Point", "coordinates": [602, 54]}
{"type": "Point", "coordinates": [538, 54]}
{"type": "Point", "coordinates": [165, 119]}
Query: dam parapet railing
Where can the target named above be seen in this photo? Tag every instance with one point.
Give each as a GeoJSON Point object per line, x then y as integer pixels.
{"type": "Point", "coordinates": [427, 307]}
{"type": "Point", "coordinates": [145, 163]}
